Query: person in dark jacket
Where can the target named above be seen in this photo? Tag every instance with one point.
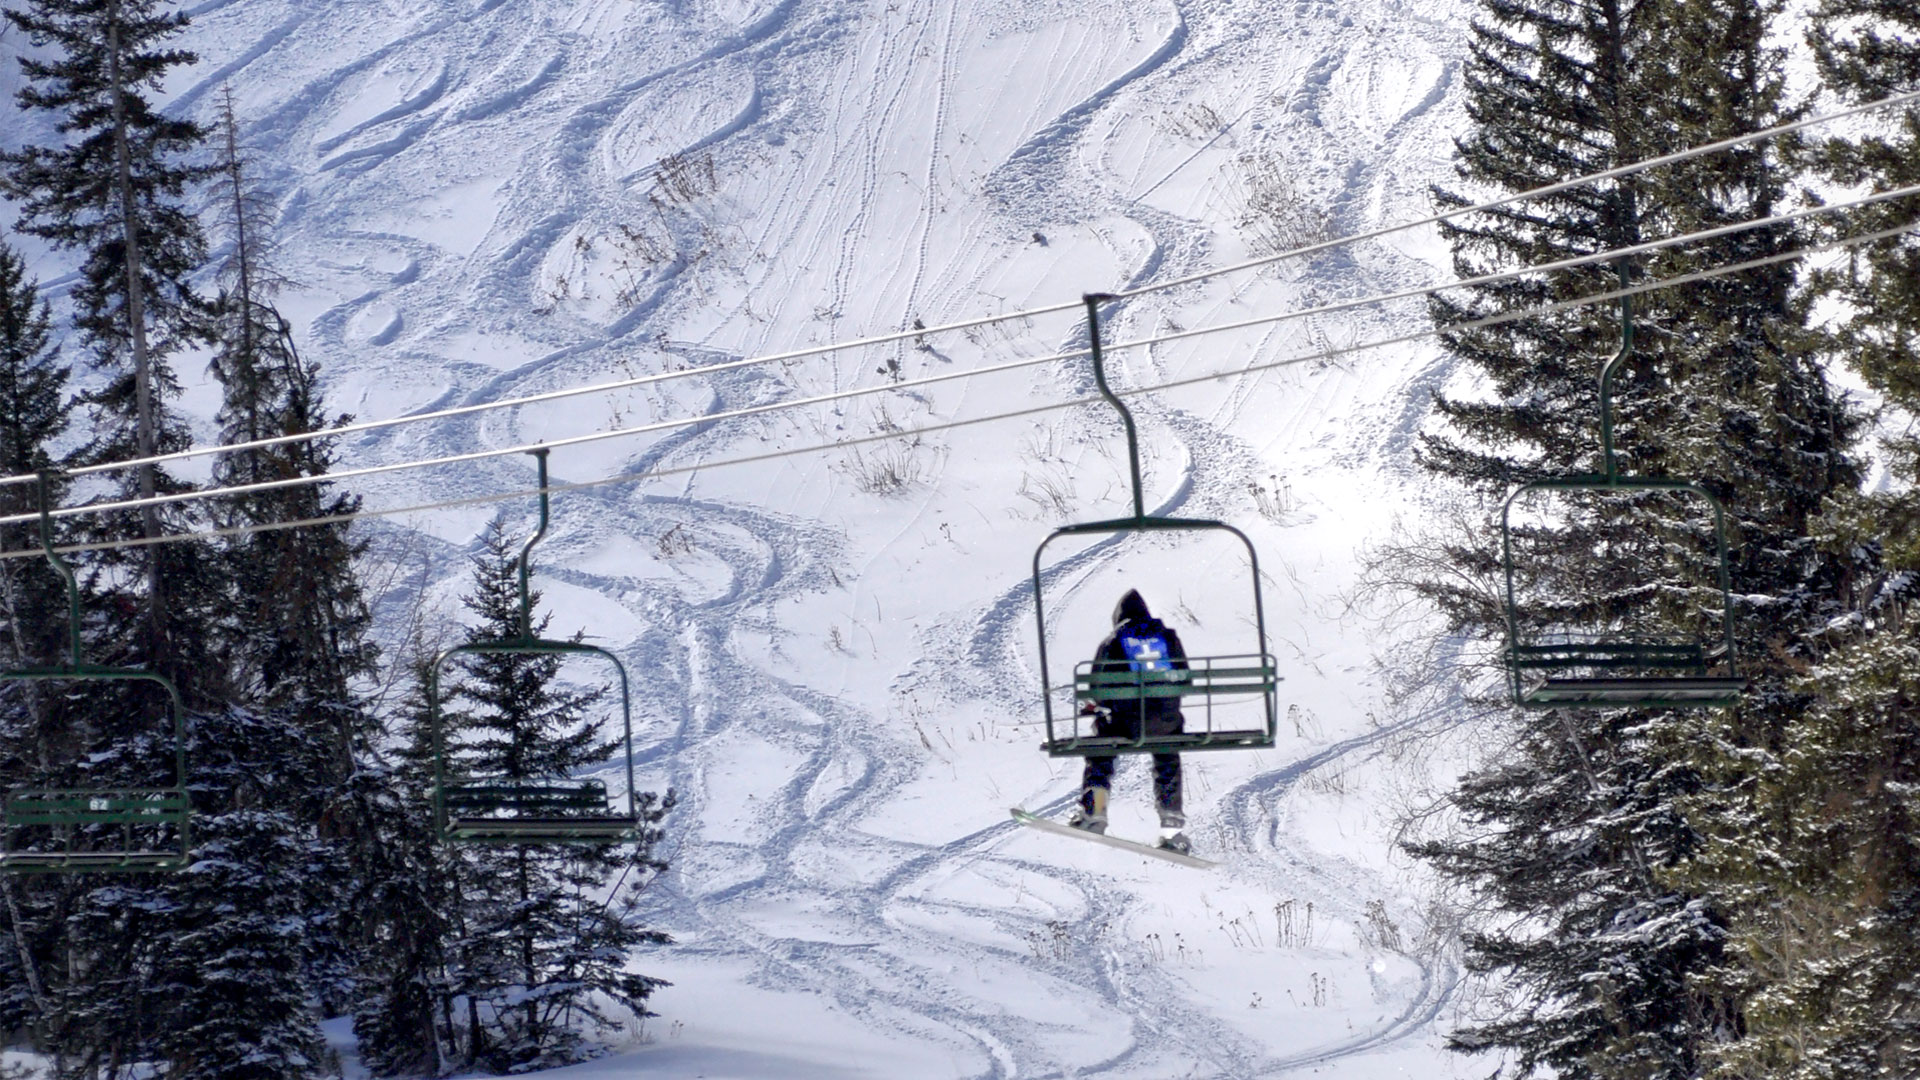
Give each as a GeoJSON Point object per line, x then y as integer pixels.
{"type": "Point", "coordinates": [1143, 645]}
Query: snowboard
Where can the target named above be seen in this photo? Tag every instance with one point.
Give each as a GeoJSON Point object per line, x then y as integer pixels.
{"type": "Point", "coordinates": [1046, 825]}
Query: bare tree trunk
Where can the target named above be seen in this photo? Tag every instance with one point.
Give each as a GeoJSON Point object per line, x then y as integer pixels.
{"type": "Point", "coordinates": [43, 1012]}
{"type": "Point", "coordinates": [137, 328]}
{"type": "Point", "coordinates": [243, 260]}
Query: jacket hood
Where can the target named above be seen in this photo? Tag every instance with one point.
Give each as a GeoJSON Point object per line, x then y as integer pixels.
{"type": "Point", "coordinates": [1132, 608]}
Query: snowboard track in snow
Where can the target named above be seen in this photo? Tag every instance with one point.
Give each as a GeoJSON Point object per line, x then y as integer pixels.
{"type": "Point", "coordinates": [367, 141]}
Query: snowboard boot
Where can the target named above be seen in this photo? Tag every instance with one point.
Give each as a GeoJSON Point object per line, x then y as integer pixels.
{"type": "Point", "coordinates": [1171, 836]}
{"type": "Point", "coordinates": [1091, 814]}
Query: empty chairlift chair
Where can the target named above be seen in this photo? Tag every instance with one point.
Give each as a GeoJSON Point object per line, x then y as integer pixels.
{"type": "Point", "coordinates": [524, 809]}
{"type": "Point", "coordinates": [1203, 684]}
{"type": "Point", "coordinates": [92, 830]}
{"type": "Point", "coordinates": [1584, 668]}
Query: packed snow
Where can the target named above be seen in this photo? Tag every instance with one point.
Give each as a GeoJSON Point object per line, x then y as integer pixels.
{"type": "Point", "coordinates": [835, 652]}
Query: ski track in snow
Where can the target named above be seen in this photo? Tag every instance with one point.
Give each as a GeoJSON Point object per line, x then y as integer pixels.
{"type": "Point", "coordinates": [417, 299]}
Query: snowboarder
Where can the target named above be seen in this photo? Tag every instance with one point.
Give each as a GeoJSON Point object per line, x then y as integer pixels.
{"type": "Point", "coordinates": [1139, 643]}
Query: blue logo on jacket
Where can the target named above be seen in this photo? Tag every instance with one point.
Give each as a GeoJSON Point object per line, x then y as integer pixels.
{"type": "Point", "coordinates": [1147, 653]}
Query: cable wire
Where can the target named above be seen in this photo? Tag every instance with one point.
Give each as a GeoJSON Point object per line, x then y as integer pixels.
{"type": "Point", "coordinates": [839, 444]}
{"type": "Point", "coordinates": [902, 335]}
{"type": "Point", "coordinates": [1537, 193]}
{"type": "Point", "coordinates": [949, 376]}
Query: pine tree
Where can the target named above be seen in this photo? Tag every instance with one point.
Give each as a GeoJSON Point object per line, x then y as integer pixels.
{"type": "Point", "coordinates": [300, 617]}
{"type": "Point", "coordinates": [530, 951]}
{"type": "Point", "coordinates": [34, 411]}
{"type": "Point", "coordinates": [240, 1000]}
{"type": "Point", "coordinates": [1827, 885]}
{"type": "Point", "coordinates": [297, 620]}
{"type": "Point", "coordinates": [108, 1007]}
{"type": "Point", "coordinates": [1600, 827]}
{"type": "Point", "coordinates": [114, 190]}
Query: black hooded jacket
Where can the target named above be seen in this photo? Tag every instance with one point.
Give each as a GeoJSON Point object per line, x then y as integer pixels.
{"type": "Point", "coordinates": [1141, 642]}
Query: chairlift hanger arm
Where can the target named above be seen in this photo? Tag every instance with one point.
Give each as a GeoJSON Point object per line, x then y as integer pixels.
{"type": "Point", "coordinates": [1098, 355]}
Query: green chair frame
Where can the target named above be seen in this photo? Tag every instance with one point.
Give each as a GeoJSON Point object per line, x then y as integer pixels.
{"type": "Point", "coordinates": [515, 810]}
{"type": "Point", "coordinates": [1629, 674]}
{"type": "Point", "coordinates": [1206, 680]}
{"type": "Point", "coordinates": [75, 815]}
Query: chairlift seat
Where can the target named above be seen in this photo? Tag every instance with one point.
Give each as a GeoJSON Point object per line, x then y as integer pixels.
{"type": "Point", "coordinates": [91, 815]}
{"type": "Point", "coordinates": [1203, 680]}
{"type": "Point", "coordinates": [1206, 678]}
{"type": "Point", "coordinates": [1675, 675]}
{"type": "Point", "coordinates": [73, 810]}
{"type": "Point", "coordinates": [512, 810]}
{"type": "Point", "coordinates": [60, 862]}
{"type": "Point", "coordinates": [1621, 674]}
{"type": "Point", "coordinates": [509, 812]}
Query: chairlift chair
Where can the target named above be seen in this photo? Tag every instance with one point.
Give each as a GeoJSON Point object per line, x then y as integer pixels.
{"type": "Point", "coordinates": [1206, 681]}
{"type": "Point", "coordinates": [94, 830]}
{"type": "Point", "coordinates": [1616, 674]}
{"type": "Point", "coordinates": [529, 810]}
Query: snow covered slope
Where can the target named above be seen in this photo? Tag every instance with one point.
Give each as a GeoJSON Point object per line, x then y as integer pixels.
{"type": "Point", "coordinates": [486, 198]}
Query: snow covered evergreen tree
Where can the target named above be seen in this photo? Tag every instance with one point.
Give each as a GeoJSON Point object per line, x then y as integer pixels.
{"type": "Point", "coordinates": [403, 1016]}
{"type": "Point", "coordinates": [34, 410]}
{"type": "Point", "coordinates": [504, 953]}
{"type": "Point", "coordinates": [114, 190]}
{"type": "Point", "coordinates": [535, 946]}
{"type": "Point", "coordinates": [299, 617]}
{"type": "Point", "coordinates": [1589, 826]}
{"type": "Point", "coordinates": [240, 1000]}
{"type": "Point", "coordinates": [295, 626]}
{"type": "Point", "coordinates": [1825, 872]}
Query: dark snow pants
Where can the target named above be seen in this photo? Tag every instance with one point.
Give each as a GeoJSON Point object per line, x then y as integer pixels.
{"type": "Point", "coordinates": [1124, 722]}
